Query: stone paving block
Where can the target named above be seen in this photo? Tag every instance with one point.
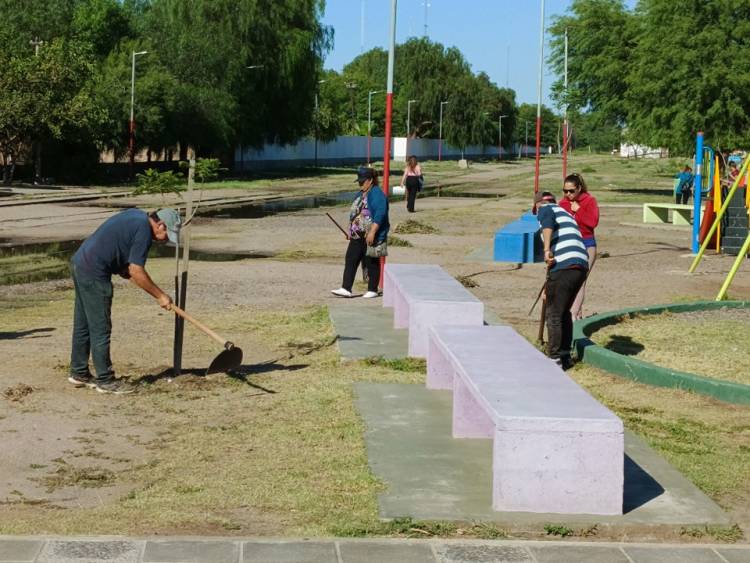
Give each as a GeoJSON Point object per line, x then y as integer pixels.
{"type": "Point", "coordinates": [289, 552]}
{"type": "Point", "coordinates": [578, 554]}
{"type": "Point", "coordinates": [191, 552]}
{"type": "Point", "coordinates": [671, 555]}
{"type": "Point", "coordinates": [381, 552]}
{"type": "Point", "coordinates": [741, 555]}
{"type": "Point", "coordinates": [19, 550]}
{"type": "Point", "coordinates": [83, 551]}
{"type": "Point", "coordinates": [468, 553]}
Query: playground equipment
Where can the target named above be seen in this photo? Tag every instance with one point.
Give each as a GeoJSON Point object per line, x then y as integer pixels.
{"type": "Point", "coordinates": [731, 200]}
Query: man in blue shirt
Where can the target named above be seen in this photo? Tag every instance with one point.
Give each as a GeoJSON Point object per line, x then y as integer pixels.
{"type": "Point", "coordinates": [567, 267]}
{"type": "Point", "coordinates": [119, 246]}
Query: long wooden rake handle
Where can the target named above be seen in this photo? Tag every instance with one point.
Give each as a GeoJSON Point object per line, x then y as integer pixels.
{"type": "Point", "coordinates": [224, 342]}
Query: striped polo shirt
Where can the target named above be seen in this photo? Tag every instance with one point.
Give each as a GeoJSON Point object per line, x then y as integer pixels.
{"type": "Point", "coordinates": [567, 244]}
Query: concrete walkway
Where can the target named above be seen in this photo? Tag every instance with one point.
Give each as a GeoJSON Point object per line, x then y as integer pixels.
{"type": "Point", "coordinates": [236, 550]}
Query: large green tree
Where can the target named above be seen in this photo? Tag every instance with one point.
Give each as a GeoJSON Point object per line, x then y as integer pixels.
{"type": "Point", "coordinates": [429, 74]}
{"type": "Point", "coordinates": [689, 72]}
{"type": "Point", "coordinates": [600, 45]}
{"type": "Point", "coordinates": [208, 45]}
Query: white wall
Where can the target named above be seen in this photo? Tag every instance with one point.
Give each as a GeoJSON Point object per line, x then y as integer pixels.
{"type": "Point", "coordinates": [353, 150]}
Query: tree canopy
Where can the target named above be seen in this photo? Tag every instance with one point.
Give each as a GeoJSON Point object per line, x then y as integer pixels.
{"type": "Point", "coordinates": [660, 72]}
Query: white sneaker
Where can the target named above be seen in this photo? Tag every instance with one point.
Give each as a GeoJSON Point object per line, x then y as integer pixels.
{"type": "Point", "coordinates": [370, 294]}
{"type": "Point", "coordinates": [341, 292]}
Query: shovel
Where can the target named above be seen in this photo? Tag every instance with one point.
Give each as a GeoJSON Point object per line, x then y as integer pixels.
{"type": "Point", "coordinates": [227, 360]}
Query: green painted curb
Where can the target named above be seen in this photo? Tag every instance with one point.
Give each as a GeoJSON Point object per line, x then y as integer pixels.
{"type": "Point", "coordinates": [645, 372]}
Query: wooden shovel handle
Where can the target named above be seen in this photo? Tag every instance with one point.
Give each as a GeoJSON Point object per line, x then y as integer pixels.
{"type": "Point", "coordinates": [199, 324]}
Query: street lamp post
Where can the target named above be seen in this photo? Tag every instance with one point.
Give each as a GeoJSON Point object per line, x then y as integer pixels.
{"type": "Point", "coordinates": [316, 122]}
{"type": "Point", "coordinates": [131, 141]}
{"type": "Point", "coordinates": [369, 121]}
{"type": "Point", "coordinates": [440, 140]}
{"type": "Point", "coordinates": [526, 142]}
{"type": "Point", "coordinates": [500, 137]}
{"type": "Point", "coordinates": [408, 131]}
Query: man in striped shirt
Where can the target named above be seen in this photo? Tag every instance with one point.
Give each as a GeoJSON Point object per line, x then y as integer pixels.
{"type": "Point", "coordinates": [567, 267]}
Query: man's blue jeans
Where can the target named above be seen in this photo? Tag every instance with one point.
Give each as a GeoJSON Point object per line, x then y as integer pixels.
{"type": "Point", "coordinates": [92, 326]}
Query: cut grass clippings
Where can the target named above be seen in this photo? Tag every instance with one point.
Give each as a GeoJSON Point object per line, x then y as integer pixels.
{"type": "Point", "coordinates": [412, 226]}
{"type": "Point", "coordinates": [708, 343]}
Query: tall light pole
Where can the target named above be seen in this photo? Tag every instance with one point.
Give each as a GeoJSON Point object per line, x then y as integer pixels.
{"type": "Point", "coordinates": [131, 141]}
{"type": "Point", "coordinates": [440, 140]}
{"type": "Point", "coordinates": [37, 144]}
{"type": "Point", "coordinates": [526, 142]}
{"type": "Point", "coordinates": [369, 121]}
{"type": "Point", "coordinates": [388, 116]}
{"type": "Point", "coordinates": [539, 101]}
{"type": "Point", "coordinates": [426, 5]}
{"type": "Point", "coordinates": [500, 137]}
{"type": "Point", "coordinates": [408, 130]}
{"type": "Point", "coordinates": [565, 118]}
{"type": "Point", "coordinates": [316, 120]}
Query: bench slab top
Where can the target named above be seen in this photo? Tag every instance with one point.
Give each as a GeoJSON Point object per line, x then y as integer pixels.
{"type": "Point", "coordinates": [429, 283]}
{"type": "Point", "coordinates": [669, 205]}
{"type": "Point", "coordinates": [520, 388]}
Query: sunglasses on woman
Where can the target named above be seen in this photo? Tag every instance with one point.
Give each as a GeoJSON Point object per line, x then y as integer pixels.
{"type": "Point", "coordinates": [574, 190]}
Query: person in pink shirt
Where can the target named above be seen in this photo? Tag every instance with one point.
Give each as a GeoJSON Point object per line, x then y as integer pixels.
{"type": "Point", "coordinates": [583, 207]}
{"type": "Point", "coordinates": [412, 178]}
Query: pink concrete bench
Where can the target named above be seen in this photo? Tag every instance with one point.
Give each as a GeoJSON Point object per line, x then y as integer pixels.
{"type": "Point", "coordinates": [556, 448]}
{"type": "Point", "coordinates": [425, 295]}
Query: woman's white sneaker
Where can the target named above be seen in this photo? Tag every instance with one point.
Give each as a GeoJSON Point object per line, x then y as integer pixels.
{"type": "Point", "coordinates": [341, 292]}
{"type": "Point", "coordinates": [370, 294]}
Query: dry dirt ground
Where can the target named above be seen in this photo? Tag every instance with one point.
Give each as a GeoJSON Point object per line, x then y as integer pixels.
{"type": "Point", "coordinates": [62, 447]}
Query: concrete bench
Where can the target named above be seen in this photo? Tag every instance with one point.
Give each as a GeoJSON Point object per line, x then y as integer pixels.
{"type": "Point", "coordinates": [659, 213]}
{"type": "Point", "coordinates": [555, 448]}
{"type": "Point", "coordinates": [425, 295]}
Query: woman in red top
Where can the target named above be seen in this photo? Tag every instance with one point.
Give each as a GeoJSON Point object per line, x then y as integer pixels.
{"type": "Point", "coordinates": [584, 209]}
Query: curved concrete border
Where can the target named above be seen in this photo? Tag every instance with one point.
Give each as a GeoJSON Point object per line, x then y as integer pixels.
{"type": "Point", "coordinates": [645, 372]}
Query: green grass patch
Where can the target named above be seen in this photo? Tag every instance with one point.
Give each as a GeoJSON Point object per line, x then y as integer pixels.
{"type": "Point", "coordinates": [400, 364]}
{"type": "Point", "coordinates": [709, 343]}
{"type": "Point", "coordinates": [26, 268]}
{"type": "Point", "coordinates": [707, 440]}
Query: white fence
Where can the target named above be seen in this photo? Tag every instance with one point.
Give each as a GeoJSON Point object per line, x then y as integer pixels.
{"type": "Point", "coordinates": [353, 150]}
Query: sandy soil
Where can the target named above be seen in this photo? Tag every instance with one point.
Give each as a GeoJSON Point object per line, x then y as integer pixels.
{"type": "Point", "coordinates": [57, 438]}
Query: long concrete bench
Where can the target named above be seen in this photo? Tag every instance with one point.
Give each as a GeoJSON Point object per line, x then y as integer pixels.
{"type": "Point", "coordinates": [556, 449]}
{"type": "Point", "coordinates": [425, 295]}
{"type": "Point", "coordinates": [659, 213]}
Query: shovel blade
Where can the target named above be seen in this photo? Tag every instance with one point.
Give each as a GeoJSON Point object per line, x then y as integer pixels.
{"type": "Point", "coordinates": [226, 361]}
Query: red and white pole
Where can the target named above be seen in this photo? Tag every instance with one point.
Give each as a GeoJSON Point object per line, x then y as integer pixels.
{"type": "Point", "coordinates": [539, 103]}
{"type": "Point", "coordinates": [388, 116]}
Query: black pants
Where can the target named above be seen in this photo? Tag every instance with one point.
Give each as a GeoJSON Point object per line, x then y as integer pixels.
{"type": "Point", "coordinates": [682, 198]}
{"type": "Point", "coordinates": [562, 288]}
{"type": "Point", "coordinates": [412, 187]}
{"type": "Point", "coordinates": [356, 253]}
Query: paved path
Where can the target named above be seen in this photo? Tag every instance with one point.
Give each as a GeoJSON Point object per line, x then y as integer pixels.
{"type": "Point", "coordinates": [219, 550]}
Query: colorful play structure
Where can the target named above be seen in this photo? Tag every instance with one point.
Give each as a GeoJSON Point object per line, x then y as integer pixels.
{"type": "Point", "coordinates": [725, 224]}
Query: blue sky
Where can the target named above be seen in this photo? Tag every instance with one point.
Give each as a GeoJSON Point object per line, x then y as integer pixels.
{"type": "Point", "coordinates": [483, 30]}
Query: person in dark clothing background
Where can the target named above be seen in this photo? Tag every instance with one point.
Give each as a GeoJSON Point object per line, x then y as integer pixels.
{"type": "Point", "coordinates": [119, 246]}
